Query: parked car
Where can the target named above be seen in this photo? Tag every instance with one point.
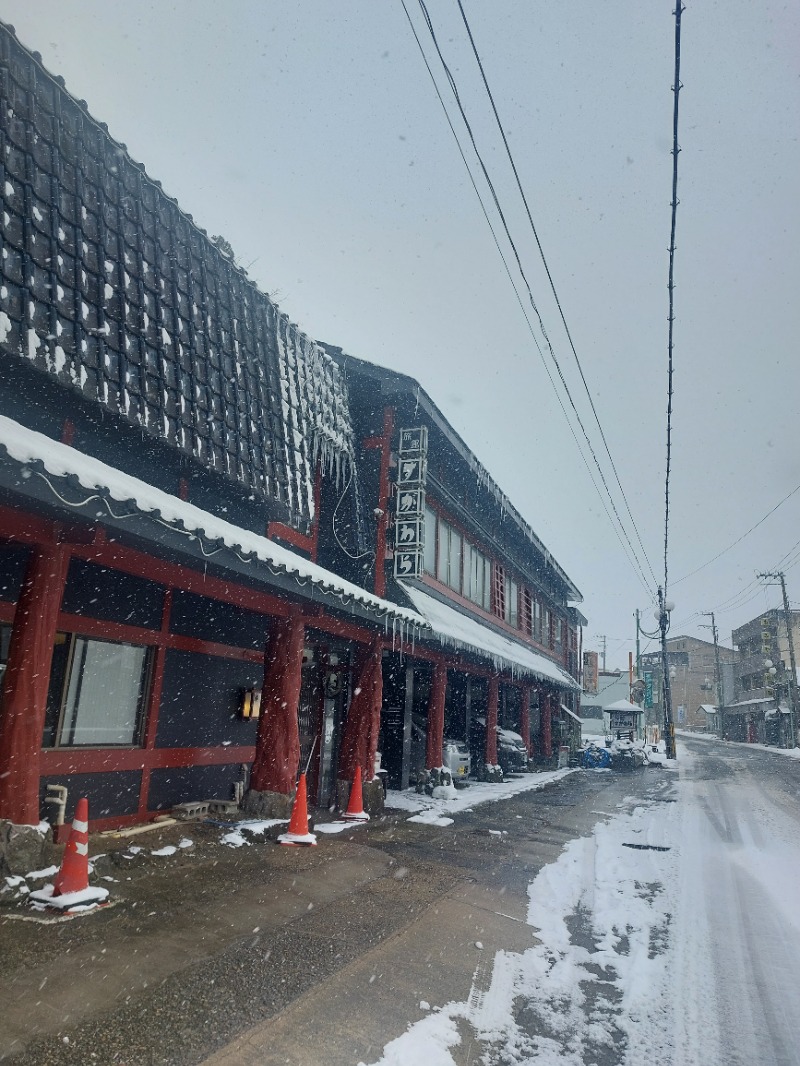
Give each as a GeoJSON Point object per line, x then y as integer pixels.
{"type": "Point", "coordinates": [455, 753]}
{"type": "Point", "coordinates": [511, 751]}
{"type": "Point", "coordinates": [456, 757]}
{"type": "Point", "coordinates": [512, 755]}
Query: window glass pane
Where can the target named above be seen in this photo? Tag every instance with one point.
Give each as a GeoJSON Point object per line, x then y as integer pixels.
{"type": "Point", "coordinates": [476, 577]}
{"type": "Point", "coordinates": [512, 593]}
{"type": "Point", "coordinates": [537, 621]}
{"type": "Point", "coordinates": [443, 560]}
{"type": "Point", "coordinates": [454, 578]}
{"type": "Point", "coordinates": [487, 585]}
{"type": "Point", "coordinates": [104, 693]}
{"type": "Point", "coordinates": [466, 570]}
{"type": "Point", "coordinates": [430, 541]}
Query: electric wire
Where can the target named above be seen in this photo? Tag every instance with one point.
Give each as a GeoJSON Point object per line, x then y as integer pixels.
{"type": "Point", "coordinates": [454, 88]}
{"type": "Point", "coordinates": [738, 540]}
{"type": "Point", "coordinates": [552, 283]}
{"type": "Point", "coordinates": [752, 589]}
{"type": "Point", "coordinates": [633, 561]}
{"type": "Point", "coordinates": [350, 555]}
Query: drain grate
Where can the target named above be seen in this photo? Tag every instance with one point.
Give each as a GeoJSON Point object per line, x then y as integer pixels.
{"type": "Point", "coordinates": [646, 847]}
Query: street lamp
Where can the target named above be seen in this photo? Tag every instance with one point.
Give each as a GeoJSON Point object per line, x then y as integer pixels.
{"type": "Point", "coordinates": [662, 616]}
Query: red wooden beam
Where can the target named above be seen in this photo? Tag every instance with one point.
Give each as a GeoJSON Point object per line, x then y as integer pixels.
{"type": "Point", "coordinates": [109, 760]}
{"type": "Point", "coordinates": [131, 561]}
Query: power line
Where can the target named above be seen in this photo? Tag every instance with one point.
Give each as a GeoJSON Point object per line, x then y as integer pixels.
{"type": "Point", "coordinates": [738, 540]}
{"type": "Point", "coordinates": [745, 595]}
{"type": "Point", "coordinates": [456, 95]}
{"type": "Point", "coordinates": [636, 566]}
{"type": "Point", "coordinates": [550, 279]}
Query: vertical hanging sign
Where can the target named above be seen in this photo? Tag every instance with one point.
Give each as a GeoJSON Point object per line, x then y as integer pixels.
{"type": "Point", "coordinates": [409, 523]}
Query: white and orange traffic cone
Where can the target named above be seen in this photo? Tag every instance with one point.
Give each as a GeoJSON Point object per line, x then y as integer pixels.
{"type": "Point", "coordinates": [71, 888]}
{"type": "Point", "coordinates": [297, 835]}
{"type": "Point", "coordinates": [355, 804]}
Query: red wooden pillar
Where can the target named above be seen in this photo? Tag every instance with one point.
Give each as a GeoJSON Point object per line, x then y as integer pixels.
{"type": "Point", "coordinates": [491, 720]}
{"type": "Point", "coordinates": [154, 699]}
{"type": "Point", "coordinates": [26, 681]}
{"type": "Point", "coordinates": [525, 717]}
{"type": "Point", "coordinates": [278, 742]}
{"type": "Point", "coordinates": [435, 735]}
{"type": "Point", "coordinates": [547, 725]}
{"type": "Point", "coordinates": [361, 728]}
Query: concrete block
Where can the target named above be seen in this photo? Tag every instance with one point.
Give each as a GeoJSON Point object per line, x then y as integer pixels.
{"type": "Point", "coordinates": [24, 848]}
{"type": "Point", "coordinates": [267, 804]}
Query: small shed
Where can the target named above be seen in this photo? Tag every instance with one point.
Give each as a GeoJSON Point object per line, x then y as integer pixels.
{"type": "Point", "coordinates": [623, 716]}
{"type": "Point", "coordinates": [711, 717]}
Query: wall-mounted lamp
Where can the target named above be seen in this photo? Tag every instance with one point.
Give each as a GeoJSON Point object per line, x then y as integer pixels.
{"type": "Point", "coordinates": [251, 703]}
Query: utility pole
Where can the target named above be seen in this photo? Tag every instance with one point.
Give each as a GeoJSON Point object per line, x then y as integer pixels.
{"type": "Point", "coordinates": [603, 644]}
{"type": "Point", "coordinates": [638, 654]}
{"type": "Point", "coordinates": [779, 576]}
{"type": "Point", "coordinates": [663, 613]}
{"type": "Point", "coordinates": [717, 667]}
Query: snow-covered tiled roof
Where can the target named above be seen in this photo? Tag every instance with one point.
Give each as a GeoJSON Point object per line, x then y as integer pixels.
{"type": "Point", "coordinates": [106, 483]}
{"type": "Point", "coordinates": [459, 630]}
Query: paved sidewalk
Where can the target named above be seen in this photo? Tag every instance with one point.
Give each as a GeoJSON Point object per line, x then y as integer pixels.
{"type": "Point", "coordinates": [208, 945]}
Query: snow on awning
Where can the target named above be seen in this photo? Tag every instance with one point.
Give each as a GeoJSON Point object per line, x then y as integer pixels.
{"type": "Point", "coordinates": [774, 711]}
{"type": "Point", "coordinates": [622, 705]}
{"type": "Point", "coordinates": [60, 460]}
{"type": "Point", "coordinates": [458, 630]}
{"type": "Point", "coordinates": [572, 714]}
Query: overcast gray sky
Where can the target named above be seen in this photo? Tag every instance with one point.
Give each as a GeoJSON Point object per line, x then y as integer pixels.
{"type": "Point", "coordinates": [309, 135]}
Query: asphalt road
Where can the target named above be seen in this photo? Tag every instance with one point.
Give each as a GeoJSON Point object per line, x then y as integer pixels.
{"type": "Point", "coordinates": [275, 955]}
{"type": "Point", "coordinates": [740, 919]}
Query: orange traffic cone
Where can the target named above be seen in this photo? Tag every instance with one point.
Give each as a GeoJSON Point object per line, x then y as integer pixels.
{"type": "Point", "coordinates": [355, 805]}
{"type": "Point", "coordinates": [74, 873]}
{"type": "Point", "coordinates": [71, 887]}
{"type": "Point", "coordinates": [298, 834]}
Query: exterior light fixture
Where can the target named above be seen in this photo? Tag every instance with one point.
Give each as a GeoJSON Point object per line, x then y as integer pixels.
{"type": "Point", "coordinates": [251, 703]}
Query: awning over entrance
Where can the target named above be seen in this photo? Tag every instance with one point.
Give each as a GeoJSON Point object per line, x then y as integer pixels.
{"type": "Point", "coordinates": [90, 479]}
{"type": "Point", "coordinates": [743, 706]}
{"type": "Point", "coordinates": [572, 714]}
{"type": "Point", "coordinates": [458, 630]}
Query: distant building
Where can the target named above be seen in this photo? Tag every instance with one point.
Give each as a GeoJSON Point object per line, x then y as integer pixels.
{"type": "Point", "coordinates": [610, 686]}
{"type": "Point", "coordinates": [762, 700]}
{"type": "Point", "coordinates": [693, 682]}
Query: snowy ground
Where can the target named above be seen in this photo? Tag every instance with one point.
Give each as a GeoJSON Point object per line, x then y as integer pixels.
{"type": "Point", "coordinates": [790, 753]}
{"type": "Point", "coordinates": [670, 936]}
{"type": "Point", "coordinates": [437, 810]}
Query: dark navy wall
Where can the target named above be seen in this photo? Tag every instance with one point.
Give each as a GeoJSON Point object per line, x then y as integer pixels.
{"type": "Point", "coordinates": [200, 701]}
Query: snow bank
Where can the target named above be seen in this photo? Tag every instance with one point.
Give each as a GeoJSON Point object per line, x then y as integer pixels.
{"type": "Point", "coordinates": [465, 799]}
{"type": "Point", "coordinates": [601, 909]}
